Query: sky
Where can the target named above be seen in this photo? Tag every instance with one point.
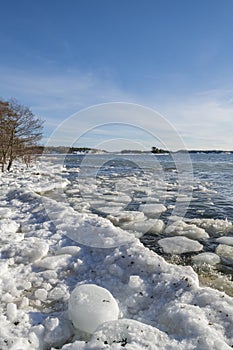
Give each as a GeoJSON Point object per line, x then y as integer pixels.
{"type": "Point", "coordinates": [175, 57]}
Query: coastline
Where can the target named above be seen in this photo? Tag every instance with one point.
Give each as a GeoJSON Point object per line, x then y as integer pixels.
{"type": "Point", "coordinates": [161, 305]}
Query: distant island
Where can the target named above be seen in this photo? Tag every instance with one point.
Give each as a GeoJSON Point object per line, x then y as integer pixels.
{"type": "Point", "coordinates": [85, 150]}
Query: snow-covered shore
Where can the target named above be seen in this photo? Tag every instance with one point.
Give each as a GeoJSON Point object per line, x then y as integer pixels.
{"type": "Point", "coordinates": [161, 306]}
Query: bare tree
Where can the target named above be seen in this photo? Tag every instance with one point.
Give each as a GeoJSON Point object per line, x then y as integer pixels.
{"type": "Point", "coordinates": [20, 132]}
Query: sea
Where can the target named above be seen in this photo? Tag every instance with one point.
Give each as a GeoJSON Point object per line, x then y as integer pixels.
{"type": "Point", "coordinates": [196, 188]}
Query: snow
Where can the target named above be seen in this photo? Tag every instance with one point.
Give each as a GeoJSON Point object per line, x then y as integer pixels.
{"type": "Point", "coordinates": [179, 245]}
{"type": "Point", "coordinates": [90, 306]}
{"type": "Point", "coordinates": [49, 252]}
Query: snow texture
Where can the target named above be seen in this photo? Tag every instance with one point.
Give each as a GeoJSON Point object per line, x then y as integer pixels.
{"type": "Point", "coordinates": [49, 252]}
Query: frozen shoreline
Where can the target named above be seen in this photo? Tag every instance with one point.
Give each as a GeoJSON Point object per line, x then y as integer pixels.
{"type": "Point", "coordinates": [161, 306]}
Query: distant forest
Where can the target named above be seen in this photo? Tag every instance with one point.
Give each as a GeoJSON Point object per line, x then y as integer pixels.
{"type": "Point", "coordinates": [74, 150]}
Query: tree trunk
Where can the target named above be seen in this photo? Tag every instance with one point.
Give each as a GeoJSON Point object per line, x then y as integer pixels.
{"type": "Point", "coordinates": [9, 164]}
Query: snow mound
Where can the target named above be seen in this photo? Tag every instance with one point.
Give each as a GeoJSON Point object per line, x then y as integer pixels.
{"type": "Point", "coordinates": [90, 306]}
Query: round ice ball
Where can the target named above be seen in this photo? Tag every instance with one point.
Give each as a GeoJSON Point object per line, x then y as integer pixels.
{"type": "Point", "coordinates": [90, 306]}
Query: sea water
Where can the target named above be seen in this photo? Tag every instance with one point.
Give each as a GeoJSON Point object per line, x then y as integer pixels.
{"type": "Point", "coordinates": [129, 186]}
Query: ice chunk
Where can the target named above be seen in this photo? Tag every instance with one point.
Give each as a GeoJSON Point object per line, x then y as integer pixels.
{"type": "Point", "coordinates": [126, 216]}
{"type": "Point", "coordinates": [153, 226]}
{"type": "Point", "coordinates": [34, 248]}
{"type": "Point", "coordinates": [206, 258]}
{"type": "Point", "coordinates": [57, 332]}
{"type": "Point", "coordinates": [72, 250]}
{"type": "Point", "coordinates": [225, 251]}
{"type": "Point", "coordinates": [8, 231]}
{"type": "Point", "coordinates": [152, 210]}
{"type": "Point", "coordinates": [214, 226]}
{"type": "Point", "coordinates": [225, 240]}
{"type": "Point", "coordinates": [41, 294]}
{"type": "Point", "coordinates": [135, 282]}
{"type": "Point", "coordinates": [179, 245]}
{"type": "Point", "coordinates": [54, 262]}
{"type": "Point", "coordinates": [57, 293]}
{"type": "Point", "coordinates": [180, 228]}
{"type": "Point", "coordinates": [11, 311]}
{"type": "Point", "coordinates": [5, 212]}
{"type": "Point", "coordinates": [90, 306]}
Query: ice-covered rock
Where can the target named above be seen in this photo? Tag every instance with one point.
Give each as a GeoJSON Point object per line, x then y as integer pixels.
{"type": "Point", "coordinates": [206, 258]}
{"type": "Point", "coordinates": [90, 306]}
{"type": "Point", "coordinates": [179, 245]}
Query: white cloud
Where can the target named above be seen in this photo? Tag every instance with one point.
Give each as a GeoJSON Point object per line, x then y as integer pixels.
{"type": "Point", "coordinates": [203, 120]}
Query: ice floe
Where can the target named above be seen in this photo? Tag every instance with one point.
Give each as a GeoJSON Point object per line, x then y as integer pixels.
{"type": "Point", "coordinates": [206, 258]}
{"type": "Point", "coordinates": [179, 245]}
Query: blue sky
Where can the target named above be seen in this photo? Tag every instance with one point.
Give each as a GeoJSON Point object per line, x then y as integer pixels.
{"type": "Point", "coordinates": [174, 56]}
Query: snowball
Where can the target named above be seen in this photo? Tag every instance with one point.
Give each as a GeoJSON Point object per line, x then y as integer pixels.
{"type": "Point", "coordinates": [179, 245]}
{"type": "Point", "coordinates": [206, 258]}
{"type": "Point", "coordinates": [90, 306]}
